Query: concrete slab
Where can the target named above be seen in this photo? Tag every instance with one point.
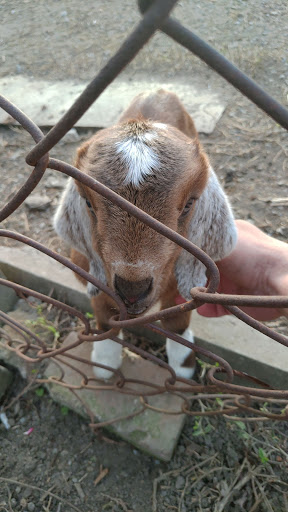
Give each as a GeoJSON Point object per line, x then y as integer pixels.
{"type": "Point", "coordinates": [45, 102]}
{"type": "Point", "coordinates": [244, 348]}
{"type": "Point", "coordinates": [6, 378]}
{"type": "Point", "coordinates": [37, 271]}
{"type": "Point", "coordinates": [11, 358]}
{"type": "Point", "coordinates": [8, 297]}
{"type": "Point", "coordinates": [152, 432]}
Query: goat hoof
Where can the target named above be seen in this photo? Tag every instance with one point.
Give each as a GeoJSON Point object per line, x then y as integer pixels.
{"type": "Point", "coordinates": [184, 372]}
{"type": "Point", "coordinates": [180, 357]}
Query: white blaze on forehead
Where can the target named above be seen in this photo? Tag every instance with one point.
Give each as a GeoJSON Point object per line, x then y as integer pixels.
{"type": "Point", "coordinates": [140, 158]}
{"type": "Point", "coordinates": [162, 126]}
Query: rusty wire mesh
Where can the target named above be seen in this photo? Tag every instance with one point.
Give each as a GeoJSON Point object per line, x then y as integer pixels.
{"type": "Point", "coordinates": [222, 395]}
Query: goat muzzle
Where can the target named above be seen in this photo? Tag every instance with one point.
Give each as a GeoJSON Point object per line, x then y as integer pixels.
{"type": "Point", "coordinates": [133, 293]}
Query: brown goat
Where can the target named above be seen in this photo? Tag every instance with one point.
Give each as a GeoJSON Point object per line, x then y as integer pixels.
{"type": "Point", "coordinates": [152, 158]}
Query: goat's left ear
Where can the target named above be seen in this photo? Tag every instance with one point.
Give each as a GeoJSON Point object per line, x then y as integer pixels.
{"type": "Point", "coordinates": [212, 228]}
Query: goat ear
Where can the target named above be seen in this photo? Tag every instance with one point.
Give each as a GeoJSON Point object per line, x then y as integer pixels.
{"type": "Point", "coordinates": [72, 223]}
{"type": "Point", "coordinates": [81, 154]}
{"type": "Point", "coordinates": [212, 228]}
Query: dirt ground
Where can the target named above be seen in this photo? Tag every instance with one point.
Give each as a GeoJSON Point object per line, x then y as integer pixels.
{"type": "Point", "coordinates": [219, 465]}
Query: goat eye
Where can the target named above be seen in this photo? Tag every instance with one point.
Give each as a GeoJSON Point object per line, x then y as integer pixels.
{"type": "Point", "coordinates": [89, 205]}
{"type": "Point", "coordinates": [187, 207]}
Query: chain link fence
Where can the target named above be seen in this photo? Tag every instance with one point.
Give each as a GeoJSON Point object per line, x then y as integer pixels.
{"type": "Point", "coordinates": [220, 392]}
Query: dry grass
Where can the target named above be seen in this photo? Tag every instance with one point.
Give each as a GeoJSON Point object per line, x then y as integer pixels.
{"type": "Point", "coordinates": [256, 482]}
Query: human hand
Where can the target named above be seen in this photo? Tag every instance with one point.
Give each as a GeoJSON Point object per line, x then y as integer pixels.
{"type": "Point", "coordinates": [257, 266]}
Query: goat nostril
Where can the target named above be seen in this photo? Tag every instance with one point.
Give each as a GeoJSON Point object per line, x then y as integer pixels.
{"type": "Point", "coordinates": [132, 291]}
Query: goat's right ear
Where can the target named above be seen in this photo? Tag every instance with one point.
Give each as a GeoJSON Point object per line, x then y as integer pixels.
{"type": "Point", "coordinates": [73, 223]}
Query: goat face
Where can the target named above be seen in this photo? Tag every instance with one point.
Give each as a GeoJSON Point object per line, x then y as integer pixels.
{"type": "Point", "coordinates": [161, 171]}
{"type": "Point", "coordinates": [165, 173]}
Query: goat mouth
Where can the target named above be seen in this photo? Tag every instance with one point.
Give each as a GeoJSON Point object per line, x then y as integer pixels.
{"type": "Point", "coordinates": [136, 311]}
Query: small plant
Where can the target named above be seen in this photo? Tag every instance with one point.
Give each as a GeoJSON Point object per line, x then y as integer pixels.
{"type": "Point", "coordinates": [53, 329]}
{"type": "Point", "coordinates": [242, 429]}
{"type": "Point", "coordinates": [89, 315]}
{"type": "Point", "coordinates": [39, 391]}
{"type": "Point", "coordinates": [64, 410]}
{"type": "Point", "coordinates": [39, 309]}
{"type": "Point", "coordinates": [41, 326]}
{"type": "Point", "coordinates": [264, 407]}
{"type": "Point", "coordinates": [219, 401]}
{"type": "Point", "coordinates": [262, 456]}
{"type": "Point", "coordinates": [203, 364]}
{"type": "Point", "coordinates": [199, 429]}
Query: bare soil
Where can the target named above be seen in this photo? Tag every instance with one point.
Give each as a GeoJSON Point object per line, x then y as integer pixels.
{"type": "Point", "coordinates": [219, 465]}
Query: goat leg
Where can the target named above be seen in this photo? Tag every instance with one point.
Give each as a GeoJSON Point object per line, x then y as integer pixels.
{"type": "Point", "coordinates": [180, 358]}
{"type": "Point", "coordinates": [106, 352]}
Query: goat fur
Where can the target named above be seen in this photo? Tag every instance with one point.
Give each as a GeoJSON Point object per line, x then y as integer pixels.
{"type": "Point", "coordinates": [152, 158]}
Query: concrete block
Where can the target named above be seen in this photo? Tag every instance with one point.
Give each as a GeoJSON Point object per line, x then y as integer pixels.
{"type": "Point", "coordinates": [152, 432]}
{"type": "Point", "coordinates": [8, 297]}
{"type": "Point", "coordinates": [10, 357]}
{"type": "Point", "coordinates": [244, 348]}
{"type": "Point", "coordinates": [35, 270]}
{"type": "Point", "coordinates": [50, 100]}
{"type": "Point", "coordinates": [6, 378]}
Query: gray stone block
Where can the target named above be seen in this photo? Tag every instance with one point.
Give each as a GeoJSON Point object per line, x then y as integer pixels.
{"type": "Point", "coordinates": [8, 355]}
{"type": "Point", "coordinates": [153, 432]}
{"type": "Point", "coordinates": [35, 270]}
{"type": "Point", "coordinates": [48, 102]}
{"type": "Point", "coordinates": [6, 378]}
{"type": "Point", "coordinates": [8, 297]}
{"type": "Point", "coordinates": [245, 348]}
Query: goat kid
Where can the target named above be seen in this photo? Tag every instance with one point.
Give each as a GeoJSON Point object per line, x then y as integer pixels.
{"type": "Point", "coordinates": [152, 158]}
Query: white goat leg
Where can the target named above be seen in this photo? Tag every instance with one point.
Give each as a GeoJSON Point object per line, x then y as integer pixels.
{"type": "Point", "coordinates": [177, 354]}
{"type": "Point", "coordinates": [109, 353]}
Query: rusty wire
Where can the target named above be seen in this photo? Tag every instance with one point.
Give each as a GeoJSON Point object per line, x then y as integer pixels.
{"type": "Point", "coordinates": [232, 398]}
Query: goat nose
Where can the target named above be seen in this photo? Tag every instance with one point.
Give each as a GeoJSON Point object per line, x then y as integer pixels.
{"type": "Point", "coordinates": [132, 291]}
